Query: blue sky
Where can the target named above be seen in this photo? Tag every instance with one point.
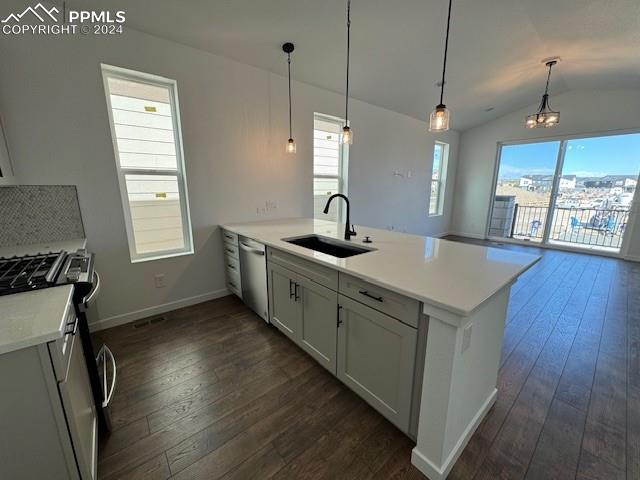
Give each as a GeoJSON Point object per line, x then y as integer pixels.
{"type": "Point", "coordinates": [586, 157]}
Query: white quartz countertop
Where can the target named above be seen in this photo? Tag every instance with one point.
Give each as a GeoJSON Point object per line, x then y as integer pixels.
{"type": "Point", "coordinates": [31, 318]}
{"type": "Point", "coordinates": [454, 276]}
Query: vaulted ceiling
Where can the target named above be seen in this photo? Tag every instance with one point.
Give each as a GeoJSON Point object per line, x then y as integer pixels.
{"type": "Point", "coordinates": [495, 51]}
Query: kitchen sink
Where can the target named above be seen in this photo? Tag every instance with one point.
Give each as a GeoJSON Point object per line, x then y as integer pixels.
{"type": "Point", "coordinates": [329, 246]}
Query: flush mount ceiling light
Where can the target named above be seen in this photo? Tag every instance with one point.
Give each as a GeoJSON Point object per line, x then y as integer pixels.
{"type": "Point", "coordinates": [347, 134]}
{"type": "Point", "coordinates": [439, 119]}
{"type": "Point", "coordinates": [288, 48]}
{"type": "Point", "coordinates": [545, 116]}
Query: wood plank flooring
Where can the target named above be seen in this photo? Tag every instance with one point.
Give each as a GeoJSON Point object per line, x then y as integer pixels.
{"type": "Point", "coordinates": [211, 391]}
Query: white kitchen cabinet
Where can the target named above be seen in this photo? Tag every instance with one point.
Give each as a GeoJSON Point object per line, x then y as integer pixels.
{"type": "Point", "coordinates": [232, 262]}
{"type": "Point", "coordinates": [356, 339]}
{"type": "Point", "coordinates": [286, 309]}
{"type": "Point", "coordinates": [48, 425]}
{"type": "Point", "coordinates": [376, 358]}
{"type": "Point", "coordinates": [318, 326]}
{"type": "Point", "coordinates": [305, 311]}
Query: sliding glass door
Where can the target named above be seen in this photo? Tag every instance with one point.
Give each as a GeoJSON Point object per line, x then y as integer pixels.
{"type": "Point", "coordinates": [573, 192]}
{"type": "Point", "coordinates": [523, 191]}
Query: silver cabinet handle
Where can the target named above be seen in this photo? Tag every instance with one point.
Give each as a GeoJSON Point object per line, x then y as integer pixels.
{"type": "Point", "coordinates": [104, 350]}
{"type": "Point", "coordinates": [247, 248]}
{"type": "Point", "coordinates": [89, 299]}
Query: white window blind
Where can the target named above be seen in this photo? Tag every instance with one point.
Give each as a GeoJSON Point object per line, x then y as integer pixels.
{"type": "Point", "coordinates": [329, 165]}
{"type": "Point", "coordinates": [145, 127]}
{"type": "Point", "coordinates": [438, 178]}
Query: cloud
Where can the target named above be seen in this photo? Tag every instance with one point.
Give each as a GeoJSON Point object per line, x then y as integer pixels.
{"type": "Point", "coordinates": [587, 173]}
{"type": "Point", "coordinates": [510, 171]}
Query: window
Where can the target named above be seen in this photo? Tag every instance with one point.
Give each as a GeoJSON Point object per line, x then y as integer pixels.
{"type": "Point", "coordinates": [330, 160]}
{"type": "Point", "coordinates": [147, 141]}
{"type": "Point", "coordinates": [438, 178]}
{"type": "Point", "coordinates": [571, 191]}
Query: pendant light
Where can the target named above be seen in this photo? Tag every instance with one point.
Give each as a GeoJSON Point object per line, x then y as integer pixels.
{"type": "Point", "coordinates": [544, 117]}
{"type": "Point", "coordinates": [347, 134]}
{"type": "Point", "coordinates": [288, 48]}
{"type": "Point", "coordinates": [439, 119]}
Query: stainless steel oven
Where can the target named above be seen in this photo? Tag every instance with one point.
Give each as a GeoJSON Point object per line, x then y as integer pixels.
{"type": "Point", "coordinates": [101, 365]}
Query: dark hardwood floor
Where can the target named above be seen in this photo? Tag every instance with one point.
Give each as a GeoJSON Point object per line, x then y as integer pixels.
{"type": "Point", "coordinates": [211, 391]}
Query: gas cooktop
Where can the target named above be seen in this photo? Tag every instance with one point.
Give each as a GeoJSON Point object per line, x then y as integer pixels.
{"type": "Point", "coordinates": [33, 272]}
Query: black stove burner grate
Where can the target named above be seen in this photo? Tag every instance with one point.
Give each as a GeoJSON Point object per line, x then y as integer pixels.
{"type": "Point", "coordinates": [30, 272]}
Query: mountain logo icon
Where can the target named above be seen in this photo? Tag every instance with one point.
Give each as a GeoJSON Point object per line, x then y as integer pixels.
{"type": "Point", "coordinates": [39, 11]}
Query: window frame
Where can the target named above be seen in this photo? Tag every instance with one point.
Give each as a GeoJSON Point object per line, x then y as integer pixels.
{"type": "Point", "coordinates": [343, 162]}
{"type": "Point", "coordinates": [441, 180]}
{"type": "Point", "coordinates": [110, 71]}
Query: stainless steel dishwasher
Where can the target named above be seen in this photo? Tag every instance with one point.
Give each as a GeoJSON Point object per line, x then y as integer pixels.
{"type": "Point", "coordinates": [253, 271]}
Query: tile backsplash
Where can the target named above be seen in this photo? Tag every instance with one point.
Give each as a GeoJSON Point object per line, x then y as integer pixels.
{"type": "Point", "coordinates": [39, 214]}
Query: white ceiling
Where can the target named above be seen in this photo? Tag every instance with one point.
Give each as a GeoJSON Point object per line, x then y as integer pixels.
{"type": "Point", "coordinates": [494, 55]}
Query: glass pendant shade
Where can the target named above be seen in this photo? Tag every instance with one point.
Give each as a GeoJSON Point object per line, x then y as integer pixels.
{"type": "Point", "coordinates": [543, 119]}
{"type": "Point", "coordinates": [291, 146]}
{"type": "Point", "coordinates": [439, 119]}
{"type": "Point", "coordinates": [347, 135]}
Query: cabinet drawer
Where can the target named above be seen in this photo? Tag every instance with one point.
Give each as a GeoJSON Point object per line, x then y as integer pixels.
{"type": "Point", "coordinates": [232, 264]}
{"type": "Point", "coordinates": [319, 274]}
{"type": "Point", "coordinates": [231, 250]}
{"type": "Point", "coordinates": [398, 306]}
{"type": "Point", "coordinates": [233, 283]}
{"type": "Point", "coordinates": [230, 237]}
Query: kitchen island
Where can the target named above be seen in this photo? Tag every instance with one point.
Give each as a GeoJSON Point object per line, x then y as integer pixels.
{"type": "Point", "coordinates": [412, 324]}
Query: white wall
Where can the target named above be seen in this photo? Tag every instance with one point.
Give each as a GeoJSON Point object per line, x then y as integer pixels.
{"type": "Point", "coordinates": [582, 112]}
{"type": "Point", "coordinates": [234, 120]}
{"type": "Point", "coordinates": [384, 142]}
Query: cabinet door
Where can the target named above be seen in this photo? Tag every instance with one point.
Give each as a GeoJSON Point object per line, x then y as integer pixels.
{"type": "Point", "coordinates": [286, 305]}
{"type": "Point", "coordinates": [79, 410]}
{"type": "Point", "coordinates": [319, 322]}
{"type": "Point", "coordinates": [376, 358]}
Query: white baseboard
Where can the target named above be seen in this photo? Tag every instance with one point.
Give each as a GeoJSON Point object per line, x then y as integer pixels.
{"type": "Point", "coordinates": [155, 310]}
{"type": "Point", "coordinates": [468, 235]}
{"type": "Point", "coordinates": [632, 258]}
{"type": "Point", "coordinates": [435, 472]}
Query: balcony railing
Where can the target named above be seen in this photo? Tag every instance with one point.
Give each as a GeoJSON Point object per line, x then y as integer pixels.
{"type": "Point", "coordinates": [594, 227]}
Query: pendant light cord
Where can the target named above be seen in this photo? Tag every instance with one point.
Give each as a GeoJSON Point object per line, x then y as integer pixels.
{"type": "Point", "coordinates": [346, 102]}
{"type": "Point", "coordinates": [289, 68]}
{"type": "Point", "coordinates": [544, 104]}
{"type": "Point", "coordinates": [446, 49]}
{"type": "Point", "coordinates": [546, 88]}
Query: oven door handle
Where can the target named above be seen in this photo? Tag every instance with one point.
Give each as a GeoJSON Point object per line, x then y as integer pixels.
{"type": "Point", "coordinates": [104, 350]}
{"type": "Point", "coordinates": [90, 298]}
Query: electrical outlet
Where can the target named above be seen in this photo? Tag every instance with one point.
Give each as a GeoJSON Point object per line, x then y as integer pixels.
{"type": "Point", "coordinates": [270, 205]}
{"type": "Point", "coordinates": [466, 337]}
{"type": "Point", "coordinates": [159, 280]}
